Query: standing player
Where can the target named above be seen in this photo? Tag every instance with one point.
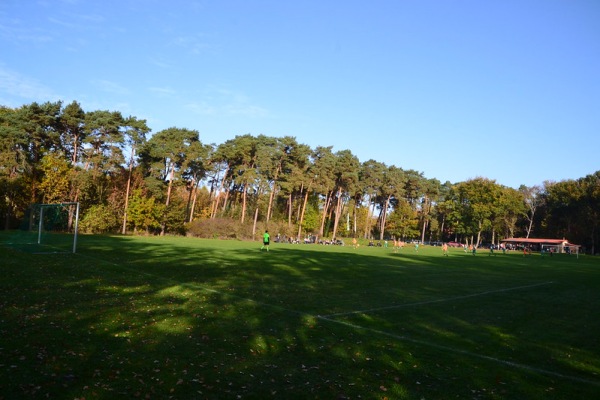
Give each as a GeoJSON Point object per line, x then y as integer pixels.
{"type": "Point", "coordinates": [266, 240]}
{"type": "Point", "coordinates": [445, 249]}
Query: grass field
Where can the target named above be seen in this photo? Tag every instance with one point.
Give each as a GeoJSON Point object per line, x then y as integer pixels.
{"type": "Point", "coordinates": [182, 318]}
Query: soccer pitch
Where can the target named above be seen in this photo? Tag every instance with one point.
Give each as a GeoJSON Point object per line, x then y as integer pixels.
{"type": "Point", "coordinates": [183, 318]}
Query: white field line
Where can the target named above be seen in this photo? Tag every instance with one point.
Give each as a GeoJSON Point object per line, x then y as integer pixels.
{"type": "Point", "coordinates": [375, 331]}
{"type": "Point", "coordinates": [463, 352]}
{"type": "Point", "coordinates": [420, 303]}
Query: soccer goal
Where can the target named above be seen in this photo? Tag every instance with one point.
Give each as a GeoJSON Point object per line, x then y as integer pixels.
{"type": "Point", "coordinates": [56, 226]}
{"type": "Point", "coordinates": [572, 249]}
{"type": "Point", "coordinates": [550, 249]}
{"type": "Point", "coordinates": [554, 249]}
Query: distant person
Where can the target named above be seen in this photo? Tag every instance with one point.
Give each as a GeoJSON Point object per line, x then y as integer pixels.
{"type": "Point", "coordinates": [416, 247]}
{"type": "Point", "coordinates": [266, 240]}
{"type": "Point", "coordinates": [445, 249]}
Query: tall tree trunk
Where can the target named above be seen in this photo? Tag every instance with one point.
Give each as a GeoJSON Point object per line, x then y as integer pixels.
{"type": "Point", "coordinates": [324, 215]}
{"type": "Point", "coordinates": [124, 230]}
{"type": "Point", "coordinates": [214, 205]}
{"type": "Point", "coordinates": [338, 211]}
{"type": "Point", "coordinates": [302, 213]}
{"type": "Point", "coordinates": [167, 202]}
{"type": "Point", "coordinates": [480, 224]}
{"type": "Point", "coordinates": [369, 216]}
{"type": "Point", "coordinates": [425, 213]}
{"type": "Point", "coordinates": [194, 199]}
{"type": "Point", "coordinates": [380, 217]}
{"type": "Point", "coordinates": [271, 197]}
{"type": "Point", "coordinates": [255, 221]}
{"type": "Point", "coordinates": [530, 227]}
{"type": "Point", "coordinates": [76, 149]}
{"type": "Point", "coordinates": [214, 199]}
{"type": "Point", "coordinates": [188, 203]}
{"type": "Point", "coordinates": [355, 220]}
{"type": "Point", "coordinates": [300, 203]}
{"type": "Point", "coordinates": [383, 217]}
{"type": "Point", "coordinates": [225, 200]}
{"type": "Point", "coordinates": [244, 195]}
{"type": "Point", "coordinates": [290, 206]}
{"type": "Point", "coordinates": [214, 209]}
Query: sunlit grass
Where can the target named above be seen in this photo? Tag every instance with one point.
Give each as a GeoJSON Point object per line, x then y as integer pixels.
{"type": "Point", "coordinates": [150, 317]}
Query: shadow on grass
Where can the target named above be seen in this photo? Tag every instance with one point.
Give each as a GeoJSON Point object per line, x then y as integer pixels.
{"type": "Point", "coordinates": [182, 318]}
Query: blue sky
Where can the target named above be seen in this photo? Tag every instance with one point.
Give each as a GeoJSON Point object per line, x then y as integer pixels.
{"type": "Point", "coordinates": [504, 89]}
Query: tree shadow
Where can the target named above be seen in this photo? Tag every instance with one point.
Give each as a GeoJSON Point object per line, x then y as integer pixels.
{"type": "Point", "coordinates": [151, 319]}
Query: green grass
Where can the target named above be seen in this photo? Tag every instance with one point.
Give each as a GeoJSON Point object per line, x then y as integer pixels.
{"type": "Point", "coordinates": [182, 318]}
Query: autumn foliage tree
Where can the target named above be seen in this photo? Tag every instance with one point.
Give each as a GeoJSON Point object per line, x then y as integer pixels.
{"type": "Point", "coordinates": [128, 179]}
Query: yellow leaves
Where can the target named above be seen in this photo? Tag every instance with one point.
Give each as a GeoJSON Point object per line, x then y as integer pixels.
{"type": "Point", "coordinates": [56, 181]}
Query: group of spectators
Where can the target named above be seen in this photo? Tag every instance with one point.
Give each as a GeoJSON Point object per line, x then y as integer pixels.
{"type": "Point", "coordinates": [309, 239]}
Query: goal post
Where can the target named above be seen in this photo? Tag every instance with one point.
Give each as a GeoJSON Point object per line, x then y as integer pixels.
{"type": "Point", "coordinates": [61, 221]}
{"type": "Point", "coordinates": [557, 249]}
{"type": "Point", "coordinates": [550, 248]}
{"type": "Point", "coordinates": [572, 249]}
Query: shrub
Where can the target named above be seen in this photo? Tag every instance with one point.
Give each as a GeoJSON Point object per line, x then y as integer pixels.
{"type": "Point", "coordinates": [100, 219]}
{"type": "Point", "coordinates": [219, 228]}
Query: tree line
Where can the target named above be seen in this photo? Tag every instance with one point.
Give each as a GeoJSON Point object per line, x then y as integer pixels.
{"type": "Point", "coordinates": [170, 182]}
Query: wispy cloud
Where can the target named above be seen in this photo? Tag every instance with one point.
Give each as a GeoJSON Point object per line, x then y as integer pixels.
{"type": "Point", "coordinates": [202, 108]}
{"type": "Point", "coordinates": [54, 26]}
{"type": "Point", "coordinates": [110, 87]}
{"type": "Point", "coordinates": [64, 24]}
{"type": "Point", "coordinates": [194, 44]}
{"type": "Point", "coordinates": [246, 110]}
{"type": "Point", "coordinates": [163, 91]}
{"type": "Point", "coordinates": [160, 63]}
{"type": "Point", "coordinates": [225, 102]}
{"type": "Point", "coordinates": [22, 87]}
{"type": "Point", "coordinates": [77, 21]}
{"type": "Point", "coordinates": [15, 31]}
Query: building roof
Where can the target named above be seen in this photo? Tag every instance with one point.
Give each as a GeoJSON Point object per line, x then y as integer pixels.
{"type": "Point", "coordinates": [538, 241]}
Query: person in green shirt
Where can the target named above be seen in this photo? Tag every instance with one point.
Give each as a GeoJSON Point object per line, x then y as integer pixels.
{"type": "Point", "coordinates": [266, 240]}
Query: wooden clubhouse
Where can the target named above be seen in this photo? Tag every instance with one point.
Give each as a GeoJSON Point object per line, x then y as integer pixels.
{"type": "Point", "coordinates": [550, 245]}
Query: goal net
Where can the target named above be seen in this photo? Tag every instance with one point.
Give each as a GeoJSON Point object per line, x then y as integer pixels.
{"type": "Point", "coordinates": [50, 228]}
{"type": "Point", "coordinates": [567, 249]}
